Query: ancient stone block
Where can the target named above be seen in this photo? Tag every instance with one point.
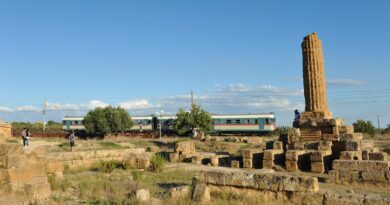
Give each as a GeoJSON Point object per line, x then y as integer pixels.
{"type": "Point", "coordinates": [348, 176]}
{"type": "Point", "coordinates": [292, 166]}
{"type": "Point", "coordinates": [249, 153]}
{"type": "Point", "coordinates": [351, 155]}
{"type": "Point", "coordinates": [373, 176]}
{"type": "Point", "coordinates": [185, 147]}
{"type": "Point", "coordinates": [365, 154]}
{"type": "Point", "coordinates": [53, 167]}
{"type": "Point", "coordinates": [214, 161]}
{"type": "Point", "coordinates": [351, 137]}
{"type": "Point", "coordinates": [278, 145]}
{"type": "Point", "coordinates": [333, 175]}
{"type": "Point", "coordinates": [247, 163]}
{"type": "Point", "coordinates": [293, 155]}
{"type": "Point", "coordinates": [317, 167]}
{"type": "Point", "coordinates": [336, 121]}
{"type": "Point", "coordinates": [345, 165]}
{"type": "Point", "coordinates": [381, 156]}
{"type": "Point", "coordinates": [373, 165]}
{"type": "Point", "coordinates": [178, 192]}
{"type": "Point", "coordinates": [324, 145]}
{"type": "Point", "coordinates": [367, 144]}
{"type": "Point", "coordinates": [329, 137]}
{"type": "Point", "coordinates": [268, 164]}
{"type": "Point", "coordinates": [15, 161]}
{"type": "Point", "coordinates": [197, 159]}
{"type": "Point", "coordinates": [335, 130]}
{"type": "Point", "coordinates": [235, 164]}
{"type": "Point", "coordinates": [352, 146]}
{"type": "Point", "coordinates": [271, 154]}
{"type": "Point", "coordinates": [299, 145]}
{"type": "Point", "coordinates": [347, 129]}
{"type": "Point", "coordinates": [319, 156]}
{"type": "Point", "coordinates": [173, 157]}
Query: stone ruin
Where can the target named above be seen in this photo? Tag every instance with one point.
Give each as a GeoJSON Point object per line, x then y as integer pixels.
{"type": "Point", "coordinates": [5, 131]}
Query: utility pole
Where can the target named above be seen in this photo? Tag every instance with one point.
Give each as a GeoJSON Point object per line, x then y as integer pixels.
{"type": "Point", "coordinates": [44, 115]}
{"type": "Point", "coordinates": [379, 125]}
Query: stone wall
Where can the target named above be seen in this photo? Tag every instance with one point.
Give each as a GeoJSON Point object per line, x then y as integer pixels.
{"type": "Point", "coordinates": [352, 171]}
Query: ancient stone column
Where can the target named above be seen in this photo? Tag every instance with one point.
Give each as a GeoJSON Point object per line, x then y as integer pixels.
{"type": "Point", "coordinates": [314, 77]}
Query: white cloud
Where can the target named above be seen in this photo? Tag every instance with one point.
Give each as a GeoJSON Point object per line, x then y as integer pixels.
{"type": "Point", "coordinates": [27, 108]}
{"type": "Point", "coordinates": [344, 82]}
{"type": "Point", "coordinates": [5, 109]}
{"type": "Point", "coordinates": [136, 104]}
{"type": "Point", "coordinates": [96, 103]}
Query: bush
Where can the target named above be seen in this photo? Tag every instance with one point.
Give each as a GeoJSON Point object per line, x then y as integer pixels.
{"type": "Point", "coordinates": [364, 127]}
{"type": "Point", "coordinates": [106, 166]}
{"type": "Point", "coordinates": [157, 163]}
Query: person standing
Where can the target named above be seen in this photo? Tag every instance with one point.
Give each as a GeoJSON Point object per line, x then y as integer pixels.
{"type": "Point", "coordinates": [71, 140]}
{"type": "Point", "coordinates": [27, 138]}
{"type": "Point", "coordinates": [24, 134]}
{"type": "Point", "coordinates": [296, 118]}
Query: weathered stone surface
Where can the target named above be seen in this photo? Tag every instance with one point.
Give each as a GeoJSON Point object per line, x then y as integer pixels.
{"type": "Point", "coordinates": [293, 155]}
{"type": "Point", "coordinates": [333, 175]}
{"type": "Point", "coordinates": [247, 163]}
{"type": "Point", "coordinates": [278, 145]}
{"type": "Point", "coordinates": [319, 156]}
{"type": "Point", "coordinates": [351, 137]}
{"type": "Point", "coordinates": [271, 154]}
{"type": "Point", "coordinates": [346, 129]}
{"type": "Point", "coordinates": [268, 164]}
{"type": "Point", "coordinates": [352, 146]}
{"type": "Point", "coordinates": [314, 75]}
{"type": "Point", "coordinates": [330, 137]}
{"type": "Point", "coordinates": [185, 147]}
{"type": "Point", "coordinates": [292, 166]}
{"type": "Point", "coordinates": [381, 156]}
{"type": "Point", "coordinates": [324, 145]}
{"type": "Point", "coordinates": [14, 161]}
{"type": "Point", "coordinates": [214, 161]}
{"type": "Point", "coordinates": [235, 164]}
{"type": "Point", "coordinates": [351, 155]}
{"type": "Point", "coordinates": [298, 145]}
{"type": "Point", "coordinates": [260, 181]}
{"type": "Point", "coordinates": [142, 195]}
{"type": "Point", "coordinates": [349, 176]}
{"type": "Point", "coordinates": [5, 131]}
{"type": "Point", "coordinates": [374, 176]}
{"type": "Point", "coordinates": [345, 165]}
{"type": "Point", "coordinates": [354, 199]}
{"type": "Point", "coordinates": [249, 153]}
{"type": "Point", "coordinates": [177, 192]}
{"type": "Point", "coordinates": [336, 121]}
{"type": "Point", "coordinates": [201, 193]}
{"type": "Point", "coordinates": [360, 165]}
{"type": "Point", "coordinates": [367, 144]}
{"type": "Point", "coordinates": [153, 149]}
{"type": "Point", "coordinates": [173, 157]}
{"type": "Point", "coordinates": [317, 167]}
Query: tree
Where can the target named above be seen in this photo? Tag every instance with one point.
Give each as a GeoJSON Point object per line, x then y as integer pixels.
{"type": "Point", "coordinates": [108, 120]}
{"type": "Point", "coordinates": [186, 122]}
{"type": "Point", "coordinates": [386, 130]}
{"type": "Point", "coordinates": [364, 127]}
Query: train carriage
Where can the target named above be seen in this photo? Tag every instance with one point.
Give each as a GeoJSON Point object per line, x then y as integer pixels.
{"type": "Point", "coordinates": [72, 123]}
{"type": "Point", "coordinates": [246, 123]}
{"type": "Point", "coordinates": [143, 123]}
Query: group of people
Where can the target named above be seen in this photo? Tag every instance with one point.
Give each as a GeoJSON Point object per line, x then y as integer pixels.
{"type": "Point", "coordinates": [26, 134]}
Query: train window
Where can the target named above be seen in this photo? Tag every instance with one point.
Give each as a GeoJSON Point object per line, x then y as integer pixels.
{"type": "Point", "coordinates": [228, 121]}
{"type": "Point", "coordinates": [256, 121]}
{"type": "Point", "coordinates": [248, 121]}
{"type": "Point", "coordinates": [76, 122]}
{"type": "Point", "coordinates": [217, 122]}
{"type": "Point", "coordinates": [238, 121]}
{"type": "Point", "coordinates": [148, 121]}
{"type": "Point", "coordinates": [266, 121]}
{"type": "Point", "coordinates": [63, 122]}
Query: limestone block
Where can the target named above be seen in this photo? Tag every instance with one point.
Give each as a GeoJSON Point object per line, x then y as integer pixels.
{"type": "Point", "coordinates": [365, 154]}
{"type": "Point", "coordinates": [334, 176]}
{"type": "Point", "coordinates": [235, 164]}
{"type": "Point", "coordinates": [249, 153]}
{"type": "Point", "coordinates": [345, 165]}
{"type": "Point", "coordinates": [368, 165]}
{"type": "Point", "coordinates": [277, 145]}
{"type": "Point", "coordinates": [381, 156]}
{"type": "Point", "coordinates": [330, 137]}
{"type": "Point", "coordinates": [374, 176]}
{"type": "Point", "coordinates": [299, 145]}
{"type": "Point", "coordinates": [293, 155]}
{"type": "Point", "coordinates": [349, 176]}
{"type": "Point", "coordinates": [214, 161]}
{"type": "Point", "coordinates": [197, 159]}
{"type": "Point", "coordinates": [346, 129]}
{"type": "Point", "coordinates": [336, 121]}
{"type": "Point", "coordinates": [270, 154]}
{"type": "Point", "coordinates": [317, 167]}
{"type": "Point", "coordinates": [185, 147]}
{"type": "Point", "coordinates": [292, 166]}
{"type": "Point", "coordinates": [37, 190]}
{"type": "Point", "coordinates": [247, 163]}
{"type": "Point", "coordinates": [142, 195]}
{"type": "Point", "coordinates": [11, 149]}
{"type": "Point", "coordinates": [335, 130]}
{"type": "Point", "coordinates": [367, 144]}
{"type": "Point", "coordinates": [15, 161]}
{"type": "Point", "coordinates": [178, 192]}
{"type": "Point", "coordinates": [357, 136]}
{"type": "Point", "coordinates": [324, 145]}
{"type": "Point", "coordinates": [351, 155]}
{"type": "Point", "coordinates": [268, 164]}
{"type": "Point", "coordinates": [173, 157]}
{"type": "Point", "coordinates": [387, 174]}
{"type": "Point", "coordinates": [319, 156]}
{"type": "Point", "coordinates": [53, 167]}
{"type": "Point", "coordinates": [352, 146]}
{"type": "Point", "coordinates": [153, 149]}
{"type": "Point", "coordinates": [201, 193]}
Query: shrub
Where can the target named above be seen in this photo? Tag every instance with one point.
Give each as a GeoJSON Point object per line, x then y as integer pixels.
{"type": "Point", "coordinates": [106, 166]}
{"type": "Point", "coordinates": [137, 175]}
{"type": "Point", "coordinates": [157, 163]}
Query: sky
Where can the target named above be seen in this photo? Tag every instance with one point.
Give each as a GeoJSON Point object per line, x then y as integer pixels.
{"type": "Point", "coordinates": [147, 56]}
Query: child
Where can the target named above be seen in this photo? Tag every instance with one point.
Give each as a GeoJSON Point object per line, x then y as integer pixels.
{"type": "Point", "coordinates": [71, 140]}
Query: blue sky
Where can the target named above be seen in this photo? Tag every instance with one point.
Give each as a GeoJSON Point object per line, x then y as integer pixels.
{"type": "Point", "coordinates": [237, 56]}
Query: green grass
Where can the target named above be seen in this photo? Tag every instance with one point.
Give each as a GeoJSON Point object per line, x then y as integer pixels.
{"type": "Point", "coordinates": [157, 163]}
{"type": "Point", "coordinates": [12, 141]}
{"type": "Point", "coordinates": [110, 145]}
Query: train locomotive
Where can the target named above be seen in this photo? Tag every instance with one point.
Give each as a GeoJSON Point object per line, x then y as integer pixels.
{"type": "Point", "coordinates": [221, 124]}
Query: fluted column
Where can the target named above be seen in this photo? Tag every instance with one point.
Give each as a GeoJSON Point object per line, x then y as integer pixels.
{"type": "Point", "coordinates": [314, 75]}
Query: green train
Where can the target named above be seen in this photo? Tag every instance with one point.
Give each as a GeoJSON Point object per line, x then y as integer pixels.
{"type": "Point", "coordinates": [233, 123]}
